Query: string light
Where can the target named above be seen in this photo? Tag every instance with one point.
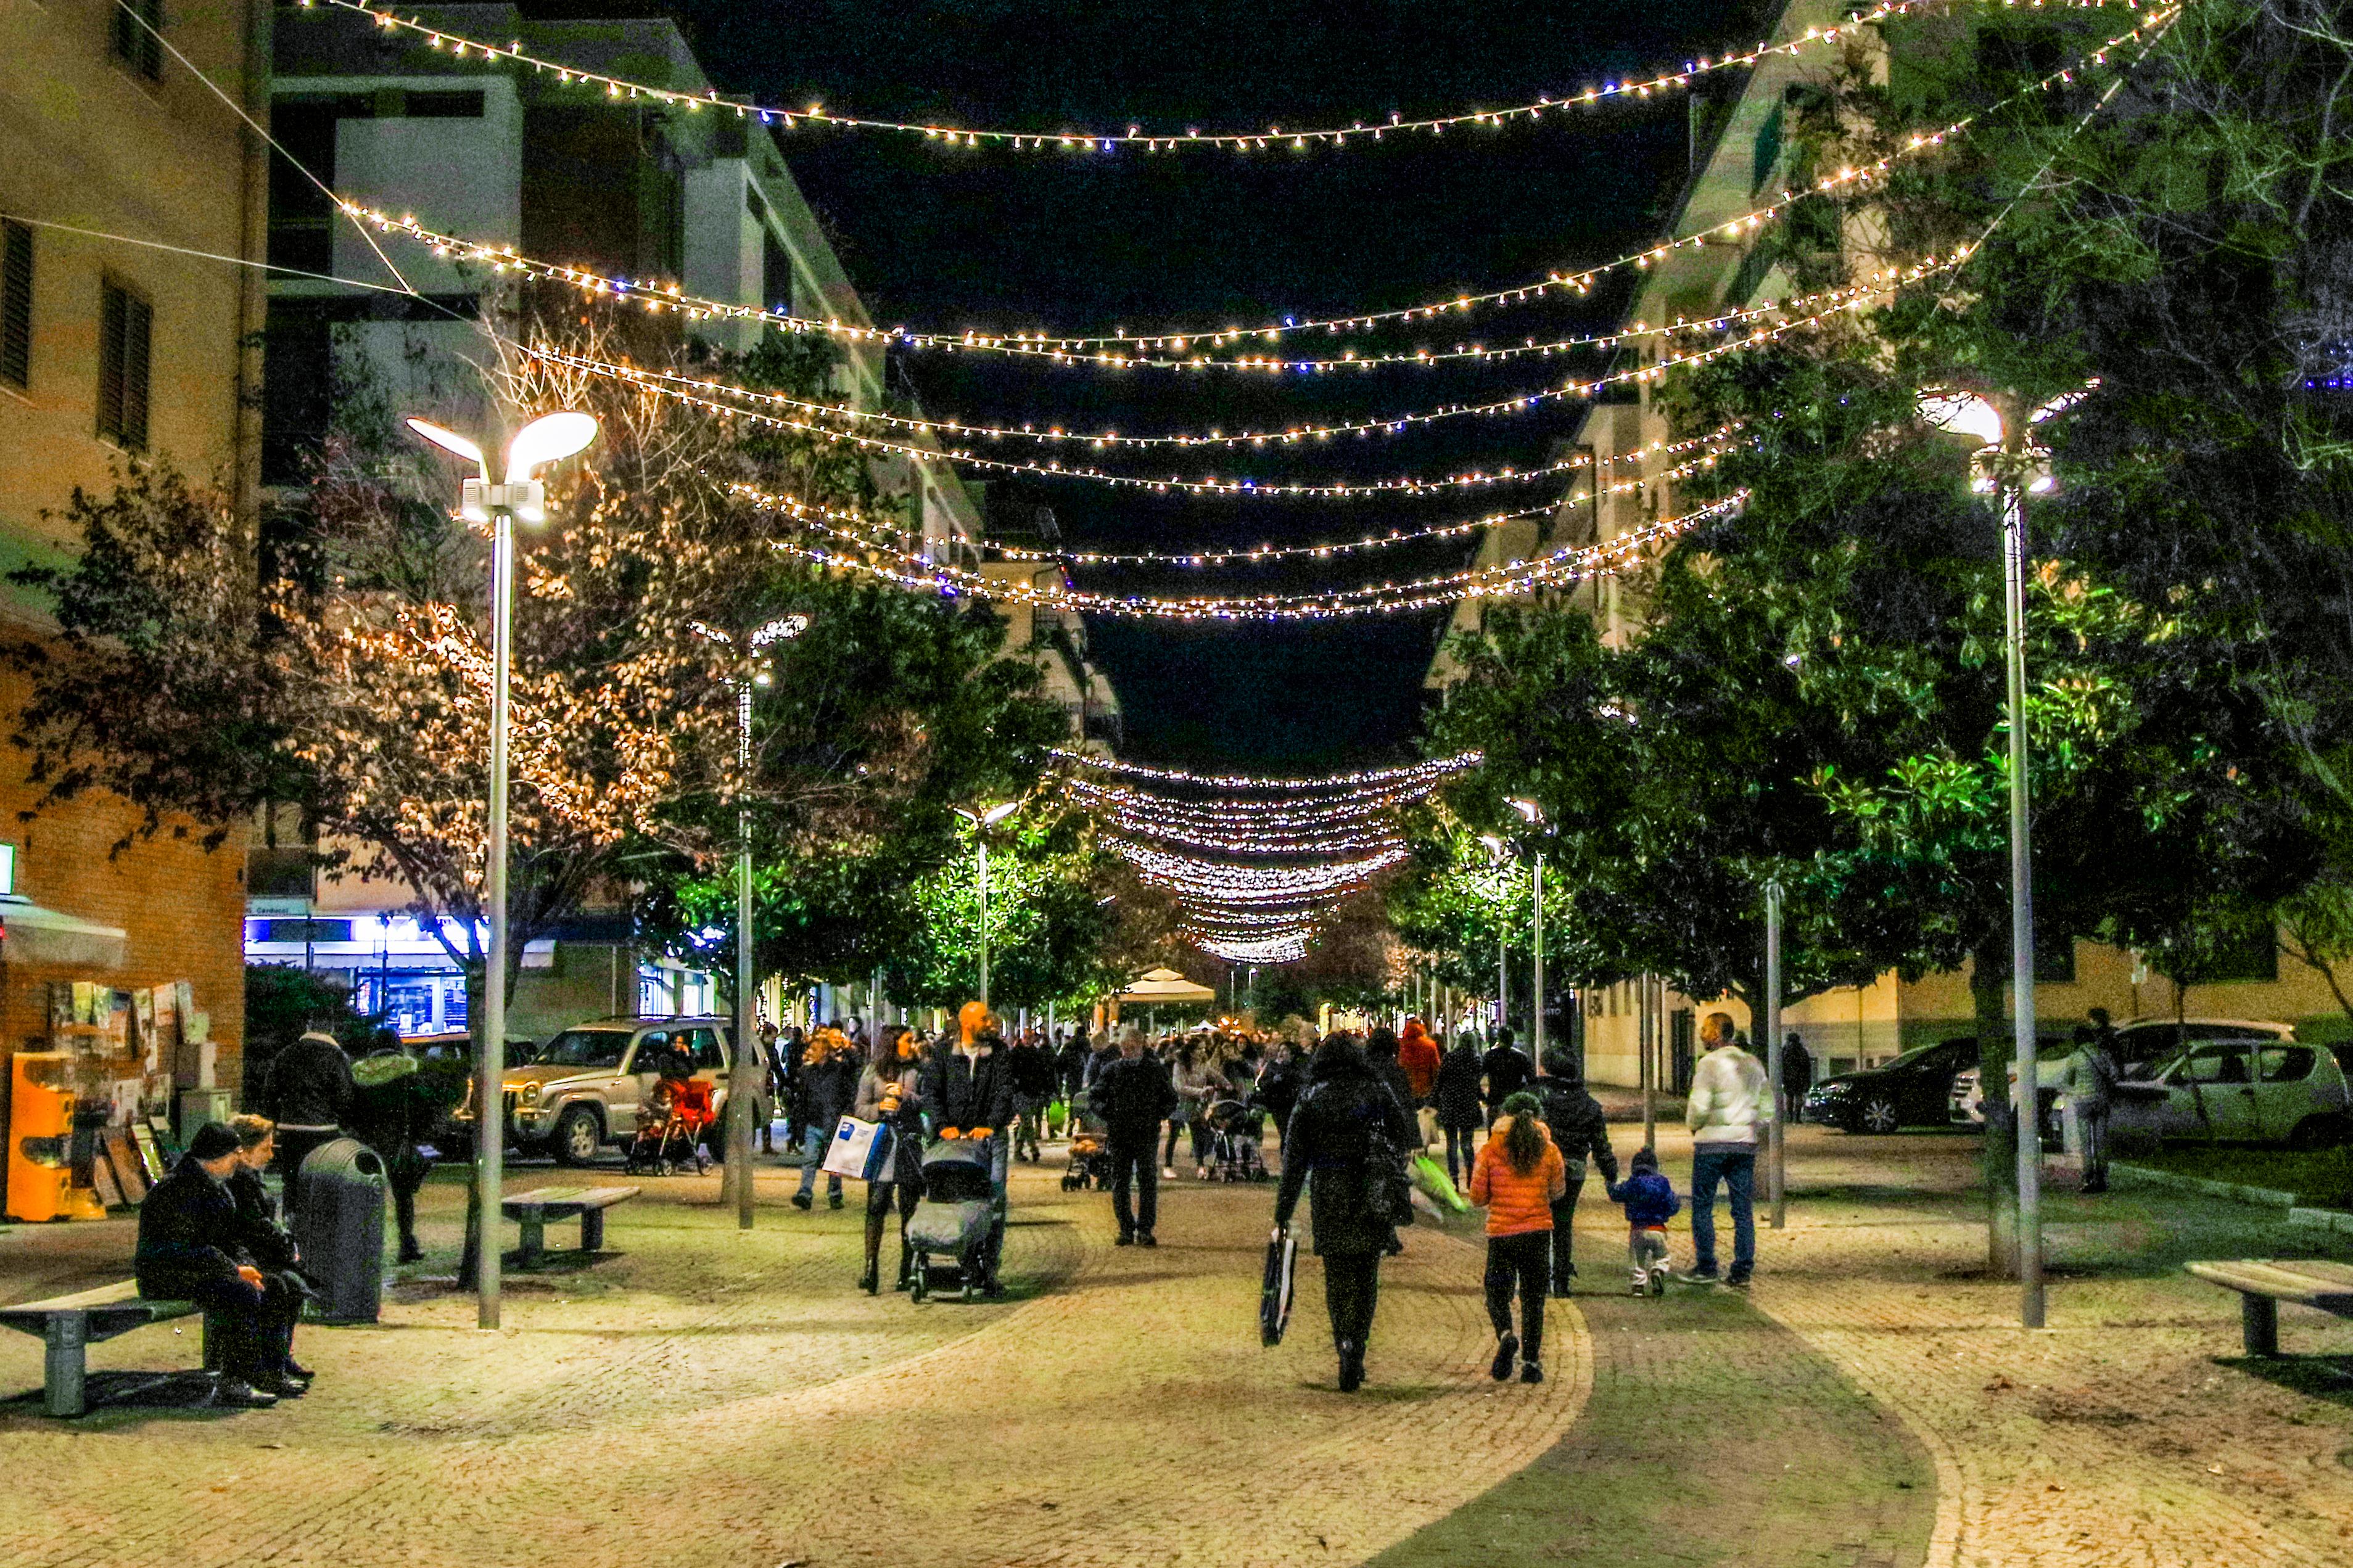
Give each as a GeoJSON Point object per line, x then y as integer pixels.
{"type": "Point", "coordinates": [1631, 90]}
{"type": "Point", "coordinates": [1098, 349]}
{"type": "Point", "coordinates": [1412, 774]}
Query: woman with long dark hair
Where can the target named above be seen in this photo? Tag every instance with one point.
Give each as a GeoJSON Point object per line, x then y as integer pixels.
{"type": "Point", "coordinates": [1518, 1178]}
{"type": "Point", "coordinates": [1341, 1150]}
{"type": "Point", "coordinates": [888, 1091]}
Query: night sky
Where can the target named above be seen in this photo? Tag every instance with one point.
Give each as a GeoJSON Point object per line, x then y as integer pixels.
{"type": "Point", "coordinates": [949, 239]}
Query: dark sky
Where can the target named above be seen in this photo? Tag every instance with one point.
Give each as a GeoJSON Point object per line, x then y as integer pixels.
{"type": "Point", "coordinates": [935, 237]}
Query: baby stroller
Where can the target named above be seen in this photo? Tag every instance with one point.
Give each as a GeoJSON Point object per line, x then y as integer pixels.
{"type": "Point", "coordinates": [1089, 1147]}
{"type": "Point", "coordinates": [1235, 1130]}
{"type": "Point", "coordinates": [948, 1232]}
{"type": "Point", "coordinates": [671, 1128]}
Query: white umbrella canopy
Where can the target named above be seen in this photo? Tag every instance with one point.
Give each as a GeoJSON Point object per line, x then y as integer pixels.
{"type": "Point", "coordinates": [1163, 985]}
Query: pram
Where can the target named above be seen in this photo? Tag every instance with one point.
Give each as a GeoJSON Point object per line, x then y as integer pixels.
{"type": "Point", "coordinates": [1089, 1147]}
{"type": "Point", "coordinates": [1235, 1130]}
{"type": "Point", "coordinates": [671, 1128]}
{"type": "Point", "coordinates": [948, 1232]}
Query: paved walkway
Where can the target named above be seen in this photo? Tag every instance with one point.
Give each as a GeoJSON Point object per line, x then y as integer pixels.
{"type": "Point", "coordinates": [708, 1397]}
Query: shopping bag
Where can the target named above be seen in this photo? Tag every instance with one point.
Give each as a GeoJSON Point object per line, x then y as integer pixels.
{"type": "Point", "coordinates": [1430, 1177]}
{"type": "Point", "coordinates": [1058, 1116]}
{"type": "Point", "coordinates": [1274, 1294]}
{"type": "Point", "coordinates": [860, 1150]}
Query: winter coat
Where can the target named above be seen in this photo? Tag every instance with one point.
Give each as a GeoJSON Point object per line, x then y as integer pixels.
{"type": "Point", "coordinates": [1198, 1085]}
{"type": "Point", "coordinates": [1393, 1075]}
{"type": "Point", "coordinates": [261, 1239]}
{"type": "Point", "coordinates": [1457, 1089]}
{"type": "Point", "coordinates": [1580, 1128]}
{"type": "Point", "coordinates": [1418, 1053]}
{"type": "Point", "coordinates": [1650, 1199]}
{"type": "Point", "coordinates": [967, 1092]}
{"type": "Point", "coordinates": [1134, 1096]}
{"type": "Point", "coordinates": [310, 1085]}
{"type": "Point", "coordinates": [1517, 1201]}
{"type": "Point", "coordinates": [1327, 1152]}
{"type": "Point", "coordinates": [1278, 1089]}
{"type": "Point", "coordinates": [1729, 1098]}
{"type": "Point", "coordinates": [392, 1118]}
{"type": "Point", "coordinates": [1033, 1072]}
{"type": "Point", "coordinates": [828, 1089]}
{"type": "Point", "coordinates": [188, 1233]}
{"type": "Point", "coordinates": [1071, 1068]}
{"type": "Point", "coordinates": [1507, 1073]}
{"type": "Point", "coordinates": [906, 1124]}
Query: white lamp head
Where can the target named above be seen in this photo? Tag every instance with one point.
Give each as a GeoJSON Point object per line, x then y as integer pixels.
{"type": "Point", "coordinates": [1526, 807]}
{"type": "Point", "coordinates": [451, 441]}
{"type": "Point", "coordinates": [1964, 414]}
{"type": "Point", "coordinates": [1494, 844]}
{"type": "Point", "coordinates": [549, 438]}
{"type": "Point", "coordinates": [997, 814]}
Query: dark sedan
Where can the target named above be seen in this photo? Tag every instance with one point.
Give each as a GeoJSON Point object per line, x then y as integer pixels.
{"type": "Point", "coordinates": [1913, 1091]}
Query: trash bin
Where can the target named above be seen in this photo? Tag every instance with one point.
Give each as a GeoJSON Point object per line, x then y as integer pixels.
{"type": "Point", "coordinates": [340, 1228]}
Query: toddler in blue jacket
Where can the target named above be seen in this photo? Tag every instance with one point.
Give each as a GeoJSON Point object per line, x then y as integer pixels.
{"type": "Point", "coordinates": [1650, 1199]}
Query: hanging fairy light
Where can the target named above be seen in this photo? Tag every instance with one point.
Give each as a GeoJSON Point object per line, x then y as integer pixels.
{"type": "Point", "coordinates": [1628, 89]}
{"type": "Point", "coordinates": [1411, 774]}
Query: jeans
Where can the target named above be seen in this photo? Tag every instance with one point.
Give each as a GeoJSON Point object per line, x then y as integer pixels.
{"type": "Point", "coordinates": [2095, 1125]}
{"type": "Point", "coordinates": [1563, 1236]}
{"type": "Point", "coordinates": [246, 1330]}
{"type": "Point", "coordinates": [1524, 1261]}
{"type": "Point", "coordinates": [1133, 1170]}
{"type": "Point", "coordinates": [1000, 1163]}
{"type": "Point", "coordinates": [1466, 1141]}
{"type": "Point", "coordinates": [1176, 1125]}
{"type": "Point", "coordinates": [1352, 1289]}
{"type": "Point", "coordinates": [814, 1142]}
{"type": "Point", "coordinates": [1735, 1165]}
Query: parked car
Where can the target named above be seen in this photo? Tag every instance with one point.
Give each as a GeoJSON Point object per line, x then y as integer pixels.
{"type": "Point", "coordinates": [1913, 1091]}
{"type": "Point", "coordinates": [587, 1087]}
{"type": "Point", "coordinates": [2143, 1048]}
{"type": "Point", "coordinates": [2263, 1089]}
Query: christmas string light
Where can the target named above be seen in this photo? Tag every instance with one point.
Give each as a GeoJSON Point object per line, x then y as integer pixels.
{"type": "Point", "coordinates": [1411, 772]}
{"type": "Point", "coordinates": [1099, 349]}
{"type": "Point", "coordinates": [1229, 814]}
{"type": "Point", "coordinates": [1629, 90]}
{"type": "Point", "coordinates": [1267, 954]}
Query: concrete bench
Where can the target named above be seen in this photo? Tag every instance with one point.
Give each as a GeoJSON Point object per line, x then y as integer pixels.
{"type": "Point", "coordinates": [2263, 1284]}
{"type": "Point", "coordinates": [69, 1325]}
{"type": "Point", "coordinates": [533, 1209]}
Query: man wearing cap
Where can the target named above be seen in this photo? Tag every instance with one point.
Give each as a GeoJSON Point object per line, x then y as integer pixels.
{"type": "Point", "coordinates": [188, 1237]}
{"type": "Point", "coordinates": [309, 1095]}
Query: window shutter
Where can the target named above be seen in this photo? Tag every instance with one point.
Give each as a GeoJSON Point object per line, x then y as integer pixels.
{"type": "Point", "coordinates": [15, 304]}
{"type": "Point", "coordinates": [126, 325]}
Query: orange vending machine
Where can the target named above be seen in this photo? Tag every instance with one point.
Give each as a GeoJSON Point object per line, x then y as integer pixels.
{"type": "Point", "coordinates": [40, 1141]}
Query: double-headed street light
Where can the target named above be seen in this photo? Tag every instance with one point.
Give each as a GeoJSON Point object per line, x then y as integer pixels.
{"type": "Point", "coordinates": [1500, 854]}
{"type": "Point", "coordinates": [1533, 814]}
{"type": "Point", "coordinates": [550, 438]}
{"type": "Point", "coordinates": [984, 819]}
{"type": "Point", "coordinates": [2009, 463]}
{"type": "Point", "coordinates": [743, 1089]}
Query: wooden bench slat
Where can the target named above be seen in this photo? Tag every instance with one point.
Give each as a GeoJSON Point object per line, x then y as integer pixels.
{"type": "Point", "coordinates": [104, 1296]}
{"type": "Point", "coordinates": [2279, 1281]}
{"type": "Point", "coordinates": [2321, 1267]}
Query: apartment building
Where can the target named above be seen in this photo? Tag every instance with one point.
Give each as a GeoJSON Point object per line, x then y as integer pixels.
{"type": "Point", "coordinates": [1742, 160]}
{"type": "Point", "coordinates": [130, 191]}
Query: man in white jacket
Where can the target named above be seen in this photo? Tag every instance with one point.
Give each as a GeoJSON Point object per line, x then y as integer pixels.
{"type": "Point", "coordinates": [1731, 1101]}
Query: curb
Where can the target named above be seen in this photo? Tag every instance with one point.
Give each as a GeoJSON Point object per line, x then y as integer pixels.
{"type": "Point", "coordinates": [2230, 1192]}
{"type": "Point", "coordinates": [2322, 1220]}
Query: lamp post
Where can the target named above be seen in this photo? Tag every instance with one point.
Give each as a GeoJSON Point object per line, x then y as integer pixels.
{"type": "Point", "coordinates": [1501, 853]}
{"type": "Point", "coordinates": [1534, 813]}
{"type": "Point", "coordinates": [2011, 466]}
{"type": "Point", "coordinates": [1777, 1169]}
{"type": "Point", "coordinates": [743, 1082]}
{"type": "Point", "coordinates": [550, 438]}
{"type": "Point", "coordinates": [982, 821]}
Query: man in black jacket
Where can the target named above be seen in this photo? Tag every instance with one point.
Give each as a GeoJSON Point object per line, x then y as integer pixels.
{"type": "Point", "coordinates": [1034, 1073]}
{"type": "Point", "coordinates": [1579, 1130]}
{"type": "Point", "coordinates": [968, 1093]}
{"type": "Point", "coordinates": [1134, 1095]}
{"type": "Point", "coordinates": [309, 1095]}
{"type": "Point", "coordinates": [1507, 1071]}
{"type": "Point", "coordinates": [188, 1251]}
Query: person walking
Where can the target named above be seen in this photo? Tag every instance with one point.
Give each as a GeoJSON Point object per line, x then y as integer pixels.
{"type": "Point", "coordinates": [392, 1113]}
{"type": "Point", "coordinates": [1507, 1070]}
{"type": "Point", "coordinates": [829, 1070]}
{"type": "Point", "coordinates": [1132, 1096]}
{"type": "Point", "coordinates": [1278, 1087]}
{"type": "Point", "coordinates": [1797, 1076]}
{"type": "Point", "coordinates": [307, 1095]}
{"type": "Point", "coordinates": [1347, 1127]}
{"type": "Point", "coordinates": [1198, 1083]}
{"type": "Point", "coordinates": [968, 1093]}
{"type": "Point", "coordinates": [771, 1061]}
{"type": "Point", "coordinates": [1460, 1114]}
{"type": "Point", "coordinates": [1418, 1059]}
{"type": "Point", "coordinates": [1580, 1130]}
{"type": "Point", "coordinates": [2088, 1084]}
{"type": "Point", "coordinates": [890, 1091]}
{"type": "Point", "coordinates": [1730, 1101]}
{"type": "Point", "coordinates": [1650, 1202]}
{"type": "Point", "coordinates": [1519, 1177]}
{"type": "Point", "coordinates": [1034, 1072]}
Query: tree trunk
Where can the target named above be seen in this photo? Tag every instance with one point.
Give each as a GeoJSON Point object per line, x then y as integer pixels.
{"type": "Point", "coordinates": [1989, 991]}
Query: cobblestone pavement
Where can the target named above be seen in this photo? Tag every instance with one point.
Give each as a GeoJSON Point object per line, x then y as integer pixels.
{"type": "Point", "coordinates": [707, 1397]}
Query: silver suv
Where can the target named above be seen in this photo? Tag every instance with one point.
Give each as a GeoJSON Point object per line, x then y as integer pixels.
{"type": "Point", "coordinates": [589, 1083]}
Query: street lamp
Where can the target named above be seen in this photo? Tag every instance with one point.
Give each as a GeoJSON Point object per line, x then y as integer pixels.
{"type": "Point", "coordinates": [982, 821]}
{"type": "Point", "coordinates": [743, 1089]}
{"type": "Point", "coordinates": [1501, 854]}
{"type": "Point", "coordinates": [1534, 813]}
{"type": "Point", "coordinates": [2009, 464]}
{"type": "Point", "coordinates": [550, 438]}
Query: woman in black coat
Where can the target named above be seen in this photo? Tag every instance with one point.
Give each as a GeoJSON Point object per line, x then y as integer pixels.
{"type": "Point", "coordinates": [1460, 1114]}
{"type": "Point", "coordinates": [1346, 1126]}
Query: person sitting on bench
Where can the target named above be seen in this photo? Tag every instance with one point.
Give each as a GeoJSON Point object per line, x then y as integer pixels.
{"type": "Point", "coordinates": [189, 1252]}
{"type": "Point", "coordinates": [263, 1242]}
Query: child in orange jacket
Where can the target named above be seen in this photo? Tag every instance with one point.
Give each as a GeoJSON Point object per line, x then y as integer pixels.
{"type": "Point", "coordinates": [1518, 1177]}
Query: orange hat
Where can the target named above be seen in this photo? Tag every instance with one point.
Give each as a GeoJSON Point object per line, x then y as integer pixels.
{"type": "Point", "coordinates": [972, 1019]}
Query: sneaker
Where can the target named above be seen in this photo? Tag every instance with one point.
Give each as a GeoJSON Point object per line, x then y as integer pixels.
{"type": "Point", "coordinates": [833, 1200]}
{"type": "Point", "coordinates": [281, 1385]}
{"type": "Point", "coordinates": [1641, 1285]}
{"type": "Point", "coordinates": [1658, 1280]}
{"type": "Point", "coordinates": [1531, 1373]}
{"type": "Point", "coordinates": [1738, 1281]}
{"type": "Point", "coordinates": [1200, 1172]}
{"type": "Point", "coordinates": [1507, 1349]}
{"type": "Point", "coordinates": [1168, 1173]}
{"type": "Point", "coordinates": [1146, 1238]}
{"type": "Point", "coordinates": [803, 1201]}
{"type": "Point", "coordinates": [1705, 1275]}
{"type": "Point", "coordinates": [1125, 1239]}
{"type": "Point", "coordinates": [236, 1393]}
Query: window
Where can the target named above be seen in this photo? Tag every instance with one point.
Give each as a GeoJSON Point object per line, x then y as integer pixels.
{"type": "Point", "coordinates": [2283, 1064]}
{"type": "Point", "coordinates": [15, 304]}
{"type": "Point", "coordinates": [126, 330]}
{"type": "Point", "coordinates": [138, 36]}
{"type": "Point", "coordinates": [2217, 1064]}
{"type": "Point", "coordinates": [586, 1048]}
{"type": "Point", "coordinates": [703, 1046]}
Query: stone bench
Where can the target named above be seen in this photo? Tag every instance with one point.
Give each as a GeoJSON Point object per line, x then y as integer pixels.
{"type": "Point", "coordinates": [69, 1325]}
{"type": "Point", "coordinates": [2263, 1284]}
{"type": "Point", "coordinates": [533, 1209]}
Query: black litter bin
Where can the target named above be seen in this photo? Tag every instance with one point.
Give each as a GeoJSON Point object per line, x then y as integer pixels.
{"type": "Point", "coordinates": [340, 1228]}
